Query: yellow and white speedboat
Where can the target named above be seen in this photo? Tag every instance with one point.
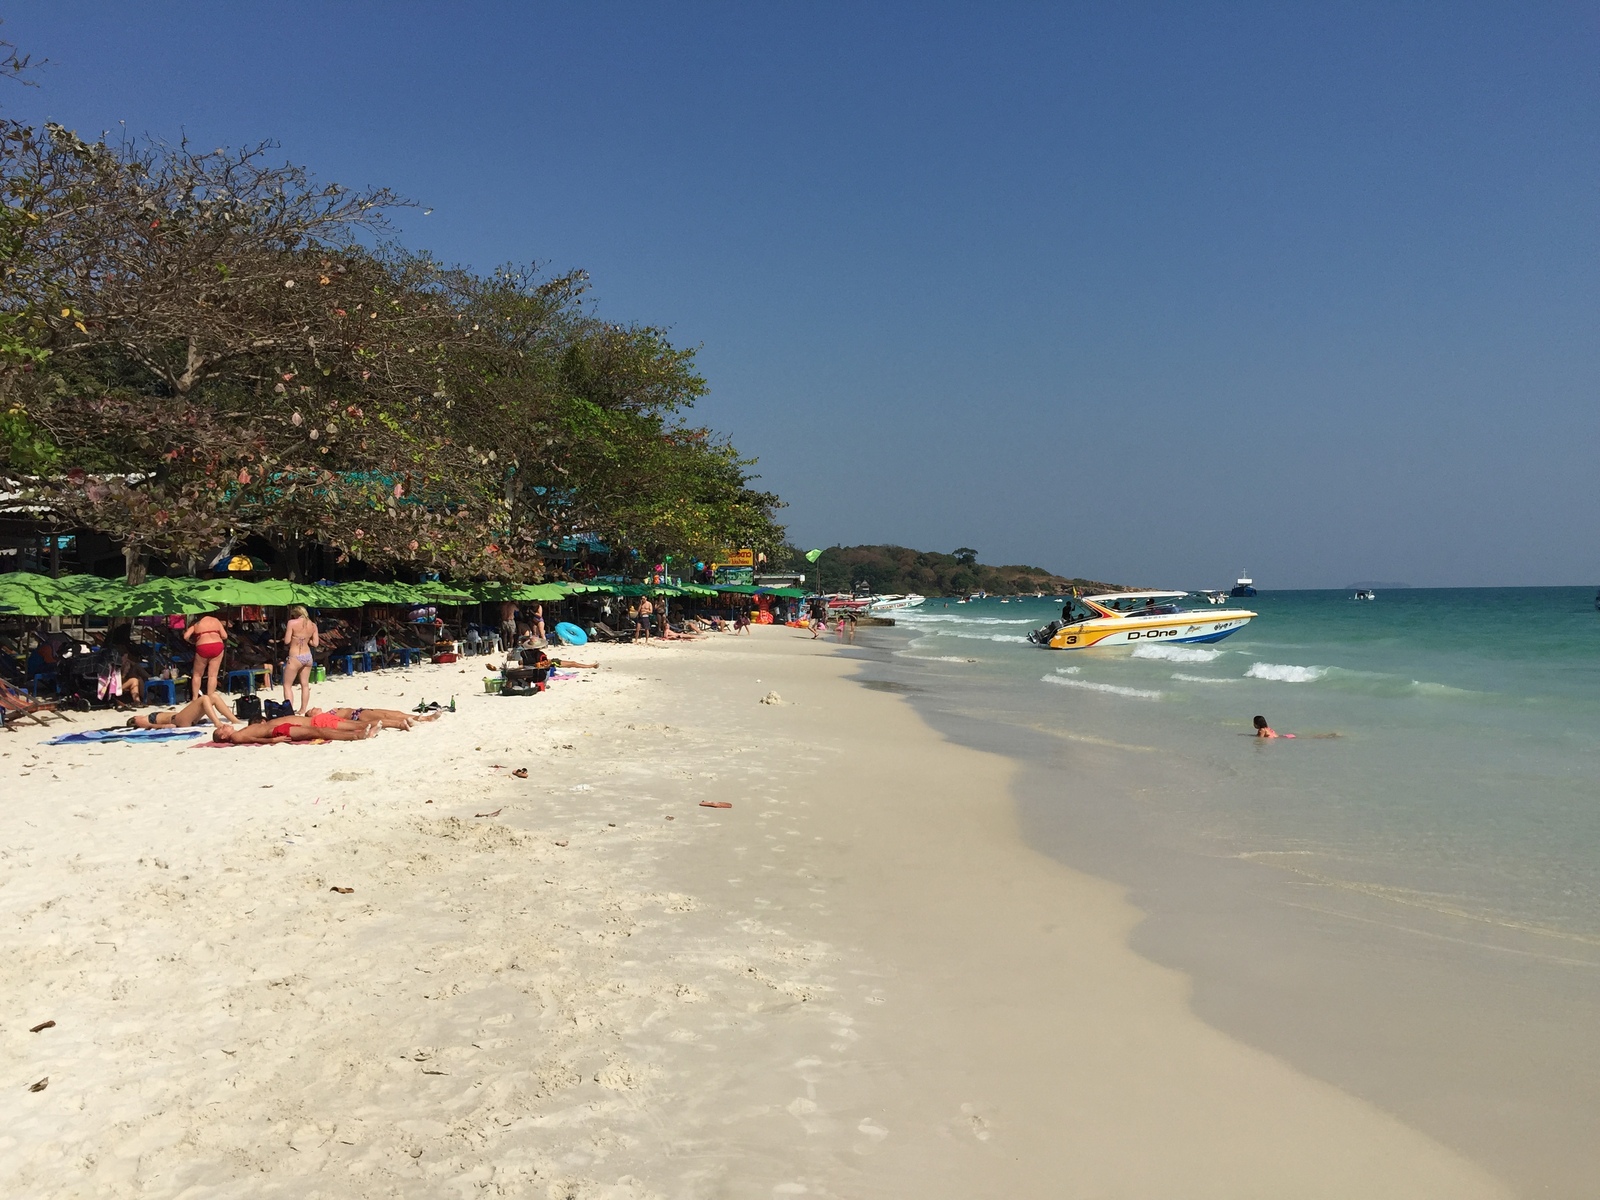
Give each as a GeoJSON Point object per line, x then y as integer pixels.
{"type": "Point", "coordinates": [1135, 619]}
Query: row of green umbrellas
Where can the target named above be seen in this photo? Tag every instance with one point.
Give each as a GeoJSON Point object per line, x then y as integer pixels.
{"type": "Point", "coordinates": [23, 593]}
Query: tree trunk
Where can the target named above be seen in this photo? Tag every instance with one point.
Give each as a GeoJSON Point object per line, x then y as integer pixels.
{"type": "Point", "coordinates": [136, 565]}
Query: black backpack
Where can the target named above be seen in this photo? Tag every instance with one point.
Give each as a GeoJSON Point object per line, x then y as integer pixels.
{"type": "Point", "coordinates": [248, 708]}
{"type": "Point", "coordinates": [278, 708]}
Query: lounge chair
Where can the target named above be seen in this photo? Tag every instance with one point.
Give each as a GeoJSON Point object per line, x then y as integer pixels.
{"type": "Point", "coordinates": [601, 632]}
{"type": "Point", "coordinates": [17, 706]}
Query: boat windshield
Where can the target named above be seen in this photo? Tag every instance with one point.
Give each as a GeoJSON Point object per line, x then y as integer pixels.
{"type": "Point", "coordinates": [1140, 605]}
{"type": "Point", "coordinates": [1076, 610]}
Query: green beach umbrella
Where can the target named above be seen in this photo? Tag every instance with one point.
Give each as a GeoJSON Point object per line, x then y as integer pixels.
{"type": "Point", "coordinates": [23, 593]}
{"type": "Point", "coordinates": [159, 598]}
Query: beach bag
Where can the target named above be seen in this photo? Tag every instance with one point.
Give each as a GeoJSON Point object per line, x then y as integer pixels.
{"type": "Point", "coordinates": [277, 708]}
{"type": "Point", "coordinates": [248, 708]}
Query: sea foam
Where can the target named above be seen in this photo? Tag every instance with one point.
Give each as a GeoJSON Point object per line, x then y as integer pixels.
{"type": "Point", "coordinates": [1109, 688]}
{"type": "Point", "coordinates": [1182, 654]}
{"type": "Point", "coordinates": [1285, 672]}
{"type": "Point", "coordinates": [1202, 678]}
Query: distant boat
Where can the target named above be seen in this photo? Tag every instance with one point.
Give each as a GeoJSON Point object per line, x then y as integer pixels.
{"type": "Point", "coordinates": [1365, 594]}
{"type": "Point", "coordinates": [893, 603]}
{"type": "Point", "coordinates": [1243, 586]}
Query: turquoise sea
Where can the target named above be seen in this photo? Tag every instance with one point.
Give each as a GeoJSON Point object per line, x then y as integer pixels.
{"type": "Point", "coordinates": [1466, 771]}
{"type": "Point", "coordinates": [1409, 909]}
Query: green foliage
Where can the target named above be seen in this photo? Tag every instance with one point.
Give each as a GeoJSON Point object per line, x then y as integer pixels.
{"type": "Point", "coordinates": [897, 569]}
{"type": "Point", "coordinates": [202, 344]}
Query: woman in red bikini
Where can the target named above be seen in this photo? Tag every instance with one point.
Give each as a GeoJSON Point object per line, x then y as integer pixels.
{"type": "Point", "coordinates": [208, 636]}
{"type": "Point", "coordinates": [321, 727]}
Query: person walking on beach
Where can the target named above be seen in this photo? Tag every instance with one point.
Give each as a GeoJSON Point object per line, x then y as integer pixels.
{"type": "Point", "coordinates": [538, 622]}
{"type": "Point", "coordinates": [647, 612]}
{"type": "Point", "coordinates": [208, 636]}
{"type": "Point", "coordinates": [301, 637]}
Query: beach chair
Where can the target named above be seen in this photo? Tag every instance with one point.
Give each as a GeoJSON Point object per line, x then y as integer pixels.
{"type": "Point", "coordinates": [17, 706]}
{"type": "Point", "coordinates": [602, 632]}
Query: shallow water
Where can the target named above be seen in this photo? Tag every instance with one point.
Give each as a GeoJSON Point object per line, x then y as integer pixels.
{"type": "Point", "coordinates": [1407, 908]}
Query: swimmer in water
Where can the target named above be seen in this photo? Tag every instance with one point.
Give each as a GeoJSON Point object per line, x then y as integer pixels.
{"type": "Point", "coordinates": [1263, 730]}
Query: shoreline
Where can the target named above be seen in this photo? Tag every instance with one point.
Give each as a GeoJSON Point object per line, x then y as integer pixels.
{"type": "Point", "coordinates": [858, 981]}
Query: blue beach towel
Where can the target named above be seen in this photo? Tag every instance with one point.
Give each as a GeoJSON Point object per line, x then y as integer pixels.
{"type": "Point", "coordinates": [126, 735]}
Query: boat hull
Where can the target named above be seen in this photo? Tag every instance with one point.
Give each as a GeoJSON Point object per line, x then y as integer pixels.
{"type": "Point", "coordinates": [1186, 628]}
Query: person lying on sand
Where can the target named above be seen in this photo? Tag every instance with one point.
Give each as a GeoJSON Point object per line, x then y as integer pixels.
{"type": "Point", "coordinates": [203, 707]}
{"type": "Point", "coordinates": [541, 659]}
{"type": "Point", "coordinates": [389, 718]}
{"type": "Point", "coordinates": [322, 727]}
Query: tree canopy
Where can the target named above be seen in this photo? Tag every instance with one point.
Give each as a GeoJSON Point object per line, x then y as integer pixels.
{"type": "Point", "coordinates": [197, 345]}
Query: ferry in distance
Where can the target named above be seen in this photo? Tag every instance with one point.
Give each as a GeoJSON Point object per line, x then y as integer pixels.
{"type": "Point", "coordinates": [1136, 618]}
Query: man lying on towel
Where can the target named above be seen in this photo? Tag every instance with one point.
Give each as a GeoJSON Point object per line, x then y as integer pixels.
{"type": "Point", "coordinates": [321, 727]}
{"type": "Point", "coordinates": [389, 718]}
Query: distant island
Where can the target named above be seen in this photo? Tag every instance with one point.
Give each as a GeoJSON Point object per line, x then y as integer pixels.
{"type": "Point", "coordinates": [899, 569]}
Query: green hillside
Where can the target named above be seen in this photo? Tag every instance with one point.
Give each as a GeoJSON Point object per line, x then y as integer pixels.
{"type": "Point", "coordinates": [901, 569]}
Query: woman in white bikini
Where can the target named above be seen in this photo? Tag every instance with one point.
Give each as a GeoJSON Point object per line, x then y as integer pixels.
{"type": "Point", "coordinates": [301, 637]}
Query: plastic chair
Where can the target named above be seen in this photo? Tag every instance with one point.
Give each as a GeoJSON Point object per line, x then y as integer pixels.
{"type": "Point", "coordinates": [249, 674]}
{"type": "Point", "coordinates": [165, 686]}
{"type": "Point", "coordinates": [347, 661]}
{"type": "Point", "coordinates": [40, 680]}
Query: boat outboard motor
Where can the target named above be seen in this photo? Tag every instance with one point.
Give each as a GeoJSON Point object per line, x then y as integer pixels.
{"type": "Point", "coordinates": [1041, 637]}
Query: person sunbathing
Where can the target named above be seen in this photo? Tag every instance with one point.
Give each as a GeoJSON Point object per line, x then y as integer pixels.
{"type": "Point", "coordinates": [322, 727]}
{"type": "Point", "coordinates": [203, 707]}
{"type": "Point", "coordinates": [542, 659]}
{"type": "Point", "coordinates": [389, 718]}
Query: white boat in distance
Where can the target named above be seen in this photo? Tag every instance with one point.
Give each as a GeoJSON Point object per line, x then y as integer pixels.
{"type": "Point", "coordinates": [1135, 618]}
{"type": "Point", "coordinates": [877, 605]}
{"type": "Point", "coordinates": [871, 605]}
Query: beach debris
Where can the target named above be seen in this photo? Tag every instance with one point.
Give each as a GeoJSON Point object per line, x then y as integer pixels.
{"type": "Point", "coordinates": [343, 891]}
{"type": "Point", "coordinates": [671, 818]}
{"type": "Point", "coordinates": [43, 1025]}
{"type": "Point", "coordinates": [715, 804]}
{"type": "Point", "coordinates": [521, 772]}
{"type": "Point", "coordinates": [41, 1085]}
{"type": "Point", "coordinates": [561, 842]}
{"type": "Point", "coordinates": [495, 813]}
{"type": "Point", "coordinates": [772, 698]}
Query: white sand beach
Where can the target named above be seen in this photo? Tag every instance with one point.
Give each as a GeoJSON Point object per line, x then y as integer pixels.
{"type": "Point", "coordinates": [855, 982]}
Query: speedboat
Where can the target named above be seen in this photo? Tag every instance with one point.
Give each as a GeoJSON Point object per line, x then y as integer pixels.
{"type": "Point", "coordinates": [1243, 588]}
{"type": "Point", "coordinates": [1136, 618]}
{"type": "Point", "coordinates": [1365, 594]}
{"type": "Point", "coordinates": [893, 603]}
{"type": "Point", "coordinates": [1212, 596]}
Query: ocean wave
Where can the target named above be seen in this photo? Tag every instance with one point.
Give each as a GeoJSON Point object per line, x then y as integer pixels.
{"type": "Point", "coordinates": [982, 637]}
{"type": "Point", "coordinates": [1183, 654]}
{"type": "Point", "coordinates": [1285, 672]}
{"type": "Point", "coordinates": [1203, 678]}
{"type": "Point", "coordinates": [929, 618]}
{"type": "Point", "coordinates": [933, 657]}
{"type": "Point", "coordinates": [1109, 688]}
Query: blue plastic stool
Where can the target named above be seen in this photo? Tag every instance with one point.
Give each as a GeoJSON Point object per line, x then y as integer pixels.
{"type": "Point", "coordinates": [249, 678]}
{"type": "Point", "coordinates": [348, 661]}
{"type": "Point", "coordinates": [152, 686]}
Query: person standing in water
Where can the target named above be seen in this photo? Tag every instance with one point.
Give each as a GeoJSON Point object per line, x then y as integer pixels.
{"type": "Point", "coordinates": [208, 636]}
{"type": "Point", "coordinates": [301, 637]}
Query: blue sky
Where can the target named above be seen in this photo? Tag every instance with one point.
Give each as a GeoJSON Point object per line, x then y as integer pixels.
{"type": "Point", "coordinates": [1145, 292]}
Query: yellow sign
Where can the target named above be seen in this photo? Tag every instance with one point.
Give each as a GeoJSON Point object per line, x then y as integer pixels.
{"type": "Point", "coordinates": [737, 558]}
